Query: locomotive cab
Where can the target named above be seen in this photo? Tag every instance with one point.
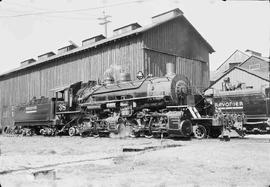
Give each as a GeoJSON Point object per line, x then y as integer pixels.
{"type": "Point", "coordinates": [64, 98]}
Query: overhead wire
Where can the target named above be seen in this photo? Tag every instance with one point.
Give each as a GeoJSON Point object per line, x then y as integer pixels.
{"type": "Point", "coordinates": [34, 8]}
{"type": "Point", "coordinates": [72, 11]}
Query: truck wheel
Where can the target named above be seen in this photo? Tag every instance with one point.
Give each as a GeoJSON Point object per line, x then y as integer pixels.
{"type": "Point", "coordinates": [199, 132]}
{"type": "Point", "coordinates": [72, 131]}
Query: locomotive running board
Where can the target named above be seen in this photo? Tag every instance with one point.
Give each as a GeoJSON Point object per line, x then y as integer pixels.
{"type": "Point", "coordinates": [194, 112]}
{"type": "Point", "coordinates": [130, 99]}
{"type": "Point", "coordinates": [68, 112]}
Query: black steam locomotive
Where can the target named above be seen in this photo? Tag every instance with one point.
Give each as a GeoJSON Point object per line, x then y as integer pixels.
{"type": "Point", "coordinates": [144, 107]}
{"type": "Point", "coordinates": [149, 106]}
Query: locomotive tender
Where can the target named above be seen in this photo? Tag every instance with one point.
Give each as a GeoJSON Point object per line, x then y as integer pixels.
{"type": "Point", "coordinates": [140, 107]}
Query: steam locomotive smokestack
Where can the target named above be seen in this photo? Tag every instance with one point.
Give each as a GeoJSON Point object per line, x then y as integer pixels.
{"type": "Point", "coordinates": [170, 69]}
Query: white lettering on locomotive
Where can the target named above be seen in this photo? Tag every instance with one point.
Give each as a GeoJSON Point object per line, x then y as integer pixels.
{"type": "Point", "coordinates": [62, 107]}
{"type": "Point", "coordinates": [229, 105]}
{"type": "Point", "coordinates": [31, 109]}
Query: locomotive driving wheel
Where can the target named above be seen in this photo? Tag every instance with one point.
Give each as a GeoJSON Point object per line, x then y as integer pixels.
{"type": "Point", "coordinates": [132, 128]}
{"type": "Point", "coordinates": [199, 131]}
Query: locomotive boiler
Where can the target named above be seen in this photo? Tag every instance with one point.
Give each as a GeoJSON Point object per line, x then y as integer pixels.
{"type": "Point", "coordinates": [137, 105]}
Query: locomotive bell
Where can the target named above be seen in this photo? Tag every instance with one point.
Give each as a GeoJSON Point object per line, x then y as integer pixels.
{"type": "Point", "coordinates": [170, 69]}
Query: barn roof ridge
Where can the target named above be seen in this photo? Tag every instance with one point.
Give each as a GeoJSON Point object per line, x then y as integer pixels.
{"type": "Point", "coordinates": [106, 40]}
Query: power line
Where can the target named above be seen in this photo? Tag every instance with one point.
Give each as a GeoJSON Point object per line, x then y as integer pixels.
{"type": "Point", "coordinates": [70, 11]}
{"type": "Point", "coordinates": [80, 18]}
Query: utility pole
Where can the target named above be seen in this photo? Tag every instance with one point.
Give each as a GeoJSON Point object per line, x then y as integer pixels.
{"type": "Point", "coordinates": [105, 21]}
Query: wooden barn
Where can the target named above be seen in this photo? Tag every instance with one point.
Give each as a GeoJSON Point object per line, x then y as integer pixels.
{"type": "Point", "coordinates": [236, 58]}
{"type": "Point", "coordinates": [169, 38]}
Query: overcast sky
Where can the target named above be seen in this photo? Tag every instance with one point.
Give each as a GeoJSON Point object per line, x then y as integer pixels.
{"type": "Point", "coordinates": [29, 28]}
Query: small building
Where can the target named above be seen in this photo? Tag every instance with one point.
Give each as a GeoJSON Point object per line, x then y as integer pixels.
{"type": "Point", "coordinates": [240, 79]}
{"type": "Point", "coordinates": [249, 59]}
{"type": "Point", "coordinates": [236, 58]}
{"type": "Point", "coordinates": [169, 38]}
{"type": "Point", "coordinates": [256, 63]}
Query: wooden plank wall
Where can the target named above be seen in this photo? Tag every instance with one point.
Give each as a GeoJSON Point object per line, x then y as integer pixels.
{"type": "Point", "coordinates": [176, 41]}
{"type": "Point", "coordinates": [196, 71]}
{"type": "Point", "coordinates": [87, 65]}
{"type": "Point", "coordinates": [177, 37]}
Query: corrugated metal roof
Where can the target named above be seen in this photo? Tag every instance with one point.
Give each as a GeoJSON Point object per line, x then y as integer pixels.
{"type": "Point", "coordinates": [104, 41]}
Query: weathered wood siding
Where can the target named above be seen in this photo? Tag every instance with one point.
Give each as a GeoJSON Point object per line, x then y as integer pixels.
{"type": "Point", "coordinates": [176, 41]}
{"type": "Point", "coordinates": [21, 86]}
{"type": "Point", "coordinates": [255, 63]}
{"type": "Point", "coordinates": [196, 71]}
{"type": "Point", "coordinates": [177, 37]}
{"type": "Point", "coordinates": [236, 57]}
{"type": "Point", "coordinates": [239, 76]}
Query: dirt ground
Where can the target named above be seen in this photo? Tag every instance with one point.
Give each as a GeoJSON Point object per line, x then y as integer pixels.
{"type": "Point", "coordinates": [77, 161]}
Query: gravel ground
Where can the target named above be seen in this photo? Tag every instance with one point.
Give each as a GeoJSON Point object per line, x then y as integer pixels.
{"type": "Point", "coordinates": [94, 162]}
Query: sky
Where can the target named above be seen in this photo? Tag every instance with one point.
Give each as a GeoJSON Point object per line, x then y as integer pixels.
{"type": "Point", "coordinates": [29, 28]}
